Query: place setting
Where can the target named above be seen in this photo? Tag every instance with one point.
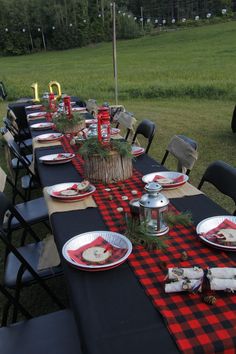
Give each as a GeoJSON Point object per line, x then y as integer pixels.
{"type": "Point", "coordinates": [97, 250]}
{"type": "Point", "coordinates": [57, 159]}
{"type": "Point", "coordinates": [218, 232]}
{"type": "Point", "coordinates": [71, 192]}
{"type": "Point", "coordinates": [50, 137]}
{"type": "Point", "coordinates": [42, 126]}
{"type": "Point", "coordinates": [168, 180]}
{"type": "Point", "coordinates": [137, 150]}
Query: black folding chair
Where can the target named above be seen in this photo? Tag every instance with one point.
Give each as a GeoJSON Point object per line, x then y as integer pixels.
{"type": "Point", "coordinates": [223, 177]}
{"type": "Point", "coordinates": [33, 211]}
{"type": "Point", "coordinates": [54, 333]}
{"type": "Point", "coordinates": [146, 128]}
{"type": "Point", "coordinates": [21, 264]}
{"type": "Point", "coordinates": [184, 149]}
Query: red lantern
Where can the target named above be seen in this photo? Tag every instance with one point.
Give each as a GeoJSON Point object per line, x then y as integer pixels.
{"type": "Point", "coordinates": [52, 105]}
{"type": "Point", "coordinates": [104, 125]}
{"type": "Point", "coordinates": [67, 106]}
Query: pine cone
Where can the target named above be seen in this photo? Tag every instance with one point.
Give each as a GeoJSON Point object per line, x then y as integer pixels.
{"type": "Point", "coordinates": [209, 299]}
{"type": "Point", "coordinates": [184, 256]}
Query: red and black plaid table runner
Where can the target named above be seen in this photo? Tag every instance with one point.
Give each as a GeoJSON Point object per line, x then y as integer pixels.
{"type": "Point", "coordinates": [196, 326]}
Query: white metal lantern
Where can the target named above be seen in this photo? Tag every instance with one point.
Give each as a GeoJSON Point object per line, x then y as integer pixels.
{"type": "Point", "coordinates": [153, 205]}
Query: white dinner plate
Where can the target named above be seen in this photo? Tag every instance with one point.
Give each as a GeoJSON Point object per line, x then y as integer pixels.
{"type": "Point", "coordinates": [137, 150]}
{"type": "Point", "coordinates": [168, 179]}
{"type": "Point", "coordinates": [115, 239]}
{"type": "Point", "coordinates": [42, 126]}
{"type": "Point", "coordinates": [37, 115]}
{"type": "Point", "coordinates": [44, 138]}
{"type": "Point", "coordinates": [210, 223]}
{"type": "Point", "coordinates": [55, 159]}
{"type": "Point", "coordinates": [115, 131]}
{"type": "Point", "coordinates": [54, 191]}
{"type": "Point", "coordinates": [35, 106]}
{"type": "Point", "coordinates": [79, 109]}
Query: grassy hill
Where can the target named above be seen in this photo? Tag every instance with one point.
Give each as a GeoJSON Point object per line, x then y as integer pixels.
{"type": "Point", "coordinates": [197, 62]}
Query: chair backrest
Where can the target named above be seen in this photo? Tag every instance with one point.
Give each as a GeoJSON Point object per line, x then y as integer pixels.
{"type": "Point", "coordinates": [223, 177]}
{"type": "Point", "coordinates": [184, 149]}
{"type": "Point", "coordinates": [3, 92]}
{"type": "Point", "coordinates": [92, 106]}
{"type": "Point", "coordinates": [127, 121]}
{"type": "Point", "coordinates": [146, 128]}
{"type": "Point", "coordinates": [233, 122]}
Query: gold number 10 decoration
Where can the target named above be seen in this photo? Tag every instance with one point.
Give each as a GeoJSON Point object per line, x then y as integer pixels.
{"type": "Point", "coordinates": [51, 84]}
{"type": "Point", "coordinates": [34, 86]}
{"type": "Point", "coordinates": [58, 86]}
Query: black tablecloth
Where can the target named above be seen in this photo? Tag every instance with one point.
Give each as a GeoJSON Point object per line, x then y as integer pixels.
{"type": "Point", "coordinates": [113, 313]}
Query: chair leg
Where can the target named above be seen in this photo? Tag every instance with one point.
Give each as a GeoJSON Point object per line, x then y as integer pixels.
{"type": "Point", "coordinates": [165, 157]}
{"type": "Point", "coordinates": [200, 184]}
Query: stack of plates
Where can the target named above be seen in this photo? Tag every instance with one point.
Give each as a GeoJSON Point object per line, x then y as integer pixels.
{"type": "Point", "coordinates": [113, 239]}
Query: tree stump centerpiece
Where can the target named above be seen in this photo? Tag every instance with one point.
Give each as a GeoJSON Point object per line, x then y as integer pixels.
{"type": "Point", "coordinates": [108, 163]}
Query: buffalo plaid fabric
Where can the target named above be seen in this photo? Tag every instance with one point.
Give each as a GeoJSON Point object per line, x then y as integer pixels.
{"type": "Point", "coordinates": [77, 160]}
{"type": "Point", "coordinates": [196, 326]}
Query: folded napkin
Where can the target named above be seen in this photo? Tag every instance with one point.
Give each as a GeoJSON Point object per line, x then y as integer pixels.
{"type": "Point", "coordinates": [181, 273]}
{"type": "Point", "coordinates": [74, 187]}
{"type": "Point", "coordinates": [191, 279]}
{"type": "Point", "coordinates": [116, 253]}
{"type": "Point", "coordinates": [66, 156]}
{"type": "Point", "coordinates": [222, 273]}
{"type": "Point", "coordinates": [182, 285]}
{"type": "Point", "coordinates": [174, 180]}
{"type": "Point", "coordinates": [223, 284]}
{"type": "Point", "coordinates": [224, 233]}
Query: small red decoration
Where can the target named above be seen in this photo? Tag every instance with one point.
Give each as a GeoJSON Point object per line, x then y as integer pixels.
{"type": "Point", "coordinates": [52, 104]}
{"type": "Point", "coordinates": [67, 106]}
{"type": "Point", "coordinates": [104, 125]}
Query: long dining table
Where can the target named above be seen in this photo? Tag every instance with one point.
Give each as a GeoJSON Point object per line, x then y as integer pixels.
{"type": "Point", "coordinates": [113, 312]}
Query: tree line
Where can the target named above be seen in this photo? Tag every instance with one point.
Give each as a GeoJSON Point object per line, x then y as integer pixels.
{"type": "Point", "coordinates": [33, 25]}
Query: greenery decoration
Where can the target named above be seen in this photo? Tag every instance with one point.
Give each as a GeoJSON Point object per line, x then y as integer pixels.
{"type": "Point", "coordinates": [136, 232]}
{"type": "Point", "coordinates": [172, 219]}
{"type": "Point", "coordinates": [64, 123]}
{"type": "Point", "coordinates": [94, 147]}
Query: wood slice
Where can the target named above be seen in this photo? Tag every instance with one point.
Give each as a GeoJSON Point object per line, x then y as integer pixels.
{"type": "Point", "coordinates": [108, 170]}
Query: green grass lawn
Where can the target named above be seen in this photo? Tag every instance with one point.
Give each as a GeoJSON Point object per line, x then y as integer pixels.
{"type": "Point", "coordinates": [184, 81]}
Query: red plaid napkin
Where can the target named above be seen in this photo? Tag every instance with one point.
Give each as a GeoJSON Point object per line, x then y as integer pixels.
{"type": "Point", "coordinates": [226, 224]}
{"type": "Point", "coordinates": [116, 253]}
{"type": "Point", "coordinates": [73, 188]}
{"type": "Point", "coordinates": [175, 180]}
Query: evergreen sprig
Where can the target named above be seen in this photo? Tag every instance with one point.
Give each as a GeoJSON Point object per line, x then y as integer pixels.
{"type": "Point", "coordinates": [137, 234]}
{"type": "Point", "coordinates": [63, 122]}
{"type": "Point", "coordinates": [172, 219]}
{"type": "Point", "coordinates": [94, 147]}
